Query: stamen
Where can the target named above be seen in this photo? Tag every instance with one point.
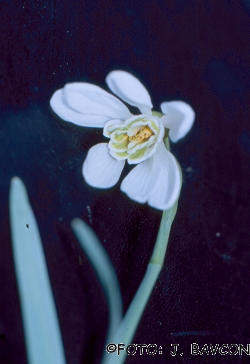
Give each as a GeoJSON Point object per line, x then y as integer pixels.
{"type": "Point", "coordinates": [143, 133]}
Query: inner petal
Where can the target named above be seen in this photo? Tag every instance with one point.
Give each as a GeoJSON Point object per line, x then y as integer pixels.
{"type": "Point", "coordinates": [133, 131]}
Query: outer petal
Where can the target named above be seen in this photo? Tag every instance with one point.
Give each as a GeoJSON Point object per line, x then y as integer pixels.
{"type": "Point", "coordinates": [179, 118]}
{"type": "Point", "coordinates": [139, 182]}
{"type": "Point", "coordinates": [167, 186]}
{"type": "Point", "coordinates": [100, 169]}
{"type": "Point", "coordinates": [130, 89]}
{"type": "Point", "coordinates": [87, 105]}
{"type": "Point", "coordinates": [156, 180]}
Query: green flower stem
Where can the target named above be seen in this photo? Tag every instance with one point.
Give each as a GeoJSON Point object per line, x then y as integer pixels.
{"type": "Point", "coordinates": [104, 270]}
{"type": "Point", "coordinates": [41, 327]}
{"type": "Point", "coordinates": [134, 313]}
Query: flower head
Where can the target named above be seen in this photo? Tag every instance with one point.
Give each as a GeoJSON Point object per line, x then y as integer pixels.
{"type": "Point", "coordinates": [136, 138]}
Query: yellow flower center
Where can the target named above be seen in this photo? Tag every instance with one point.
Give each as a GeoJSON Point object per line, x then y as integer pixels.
{"type": "Point", "coordinates": [143, 133]}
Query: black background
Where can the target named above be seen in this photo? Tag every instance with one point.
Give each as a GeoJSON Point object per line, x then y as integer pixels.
{"type": "Point", "coordinates": [195, 51]}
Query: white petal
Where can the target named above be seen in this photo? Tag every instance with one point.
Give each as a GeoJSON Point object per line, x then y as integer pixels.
{"type": "Point", "coordinates": [139, 182]}
{"type": "Point", "coordinates": [115, 123]}
{"type": "Point", "coordinates": [167, 185]}
{"type": "Point", "coordinates": [85, 104]}
{"type": "Point", "coordinates": [91, 99]}
{"type": "Point", "coordinates": [157, 180]}
{"type": "Point", "coordinates": [100, 169]}
{"type": "Point", "coordinates": [62, 109]}
{"type": "Point", "coordinates": [179, 118]}
{"type": "Point", "coordinates": [130, 89]}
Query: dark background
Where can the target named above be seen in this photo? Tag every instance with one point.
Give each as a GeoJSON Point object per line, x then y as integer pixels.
{"type": "Point", "coordinates": [195, 51]}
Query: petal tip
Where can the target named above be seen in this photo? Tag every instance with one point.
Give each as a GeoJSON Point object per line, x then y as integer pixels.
{"type": "Point", "coordinates": [179, 117]}
{"type": "Point", "coordinates": [129, 89]}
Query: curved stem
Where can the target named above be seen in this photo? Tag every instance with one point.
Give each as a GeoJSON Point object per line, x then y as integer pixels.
{"type": "Point", "coordinates": [134, 313]}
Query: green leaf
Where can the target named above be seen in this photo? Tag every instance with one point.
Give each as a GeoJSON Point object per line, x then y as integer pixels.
{"type": "Point", "coordinates": [104, 270]}
{"type": "Point", "coordinates": [41, 327]}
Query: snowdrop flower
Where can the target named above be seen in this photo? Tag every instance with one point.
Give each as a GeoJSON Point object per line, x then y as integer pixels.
{"type": "Point", "coordinates": [139, 139]}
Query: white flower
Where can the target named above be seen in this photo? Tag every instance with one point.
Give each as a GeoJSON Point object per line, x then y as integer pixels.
{"type": "Point", "coordinates": [136, 138]}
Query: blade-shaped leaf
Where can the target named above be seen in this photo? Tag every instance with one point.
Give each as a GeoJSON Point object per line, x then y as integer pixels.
{"type": "Point", "coordinates": [104, 270]}
{"type": "Point", "coordinates": [41, 327]}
